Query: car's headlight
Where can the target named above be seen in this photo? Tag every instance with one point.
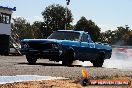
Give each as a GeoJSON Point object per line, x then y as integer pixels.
{"type": "Point", "coordinates": [24, 45]}
{"type": "Point", "coordinates": [56, 46]}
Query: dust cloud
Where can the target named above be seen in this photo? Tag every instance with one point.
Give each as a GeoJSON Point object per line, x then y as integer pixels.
{"type": "Point", "coordinates": [121, 58]}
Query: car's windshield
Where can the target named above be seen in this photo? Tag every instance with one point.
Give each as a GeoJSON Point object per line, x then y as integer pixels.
{"type": "Point", "coordinates": [64, 35]}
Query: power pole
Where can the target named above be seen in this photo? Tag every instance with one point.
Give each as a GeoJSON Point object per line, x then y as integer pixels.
{"type": "Point", "coordinates": [67, 3]}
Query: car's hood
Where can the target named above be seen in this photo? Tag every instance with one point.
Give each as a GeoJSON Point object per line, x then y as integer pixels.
{"type": "Point", "coordinates": [50, 41]}
{"type": "Point", "coordinates": [39, 40]}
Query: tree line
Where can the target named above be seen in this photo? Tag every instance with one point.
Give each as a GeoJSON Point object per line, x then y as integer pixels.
{"type": "Point", "coordinates": [54, 19]}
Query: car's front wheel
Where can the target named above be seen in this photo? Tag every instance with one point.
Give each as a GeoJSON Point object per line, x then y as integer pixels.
{"type": "Point", "coordinates": [99, 61]}
{"type": "Point", "coordinates": [31, 59]}
{"type": "Point", "coordinates": [68, 59]}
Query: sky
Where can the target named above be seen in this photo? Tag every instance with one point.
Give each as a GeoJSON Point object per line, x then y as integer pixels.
{"type": "Point", "coordinates": [107, 14]}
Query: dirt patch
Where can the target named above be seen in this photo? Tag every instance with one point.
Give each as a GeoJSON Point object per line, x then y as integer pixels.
{"type": "Point", "coordinates": [43, 84]}
{"type": "Point", "coordinates": [57, 84]}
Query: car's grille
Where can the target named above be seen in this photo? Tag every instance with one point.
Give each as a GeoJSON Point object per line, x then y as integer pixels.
{"type": "Point", "coordinates": [40, 46]}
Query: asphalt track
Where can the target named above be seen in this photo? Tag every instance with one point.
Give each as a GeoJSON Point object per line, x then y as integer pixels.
{"type": "Point", "coordinates": [120, 64]}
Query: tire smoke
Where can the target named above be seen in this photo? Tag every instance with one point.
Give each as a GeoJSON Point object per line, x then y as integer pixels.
{"type": "Point", "coordinates": [121, 58]}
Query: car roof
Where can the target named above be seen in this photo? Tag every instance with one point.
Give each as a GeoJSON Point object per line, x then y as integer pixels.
{"type": "Point", "coordinates": [81, 32]}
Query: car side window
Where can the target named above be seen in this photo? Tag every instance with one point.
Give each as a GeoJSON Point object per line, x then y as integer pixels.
{"type": "Point", "coordinates": [84, 38]}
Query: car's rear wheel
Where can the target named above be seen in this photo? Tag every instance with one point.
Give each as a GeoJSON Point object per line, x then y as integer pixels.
{"type": "Point", "coordinates": [99, 61]}
{"type": "Point", "coordinates": [31, 59]}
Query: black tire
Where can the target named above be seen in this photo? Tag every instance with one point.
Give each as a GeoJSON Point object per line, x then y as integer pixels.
{"type": "Point", "coordinates": [68, 59]}
{"type": "Point", "coordinates": [31, 60]}
{"type": "Point", "coordinates": [99, 61]}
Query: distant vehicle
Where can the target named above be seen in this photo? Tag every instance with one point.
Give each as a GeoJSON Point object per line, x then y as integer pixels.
{"type": "Point", "coordinates": [66, 46]}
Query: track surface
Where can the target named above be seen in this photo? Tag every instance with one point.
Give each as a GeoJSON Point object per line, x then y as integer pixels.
{"type": "Point", "coordinates": [17, 65]}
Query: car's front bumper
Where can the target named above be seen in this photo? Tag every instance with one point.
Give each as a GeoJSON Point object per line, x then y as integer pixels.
{"type": "Point", "coordinates": [43, 53]}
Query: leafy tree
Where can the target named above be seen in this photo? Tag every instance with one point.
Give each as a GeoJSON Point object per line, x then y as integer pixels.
{"type": "Point", "coordinates": [54, 18]}
{"type": "Point", "coordinates": [129, 40]}
{"type": "Point", "coordinates": [120, 36]}
{"type": "Point", "coordinates": [109, 37]}
{"type": "Point", "coordinates": [88, 26]}
{"type": "Point", "coordinates": [22, 28]}
{"type": "Point", "coordinates": [37, 28]}
{"type": "Point", "coordinates": [106, 36]}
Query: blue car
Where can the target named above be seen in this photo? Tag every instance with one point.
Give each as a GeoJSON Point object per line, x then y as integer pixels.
{"type": "Point", "coordinates": [66, 46]}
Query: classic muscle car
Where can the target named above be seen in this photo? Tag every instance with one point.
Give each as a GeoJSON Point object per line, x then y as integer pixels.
{"type": "Point", "coordinates": [66, 46]}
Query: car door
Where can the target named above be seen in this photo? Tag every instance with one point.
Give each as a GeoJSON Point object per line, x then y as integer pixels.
{"type": "Point", "coordinates": [86, 47]}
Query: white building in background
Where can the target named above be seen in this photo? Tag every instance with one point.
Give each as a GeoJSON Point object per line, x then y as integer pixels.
{"type": "Point", "coordinates": [5, 28]}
